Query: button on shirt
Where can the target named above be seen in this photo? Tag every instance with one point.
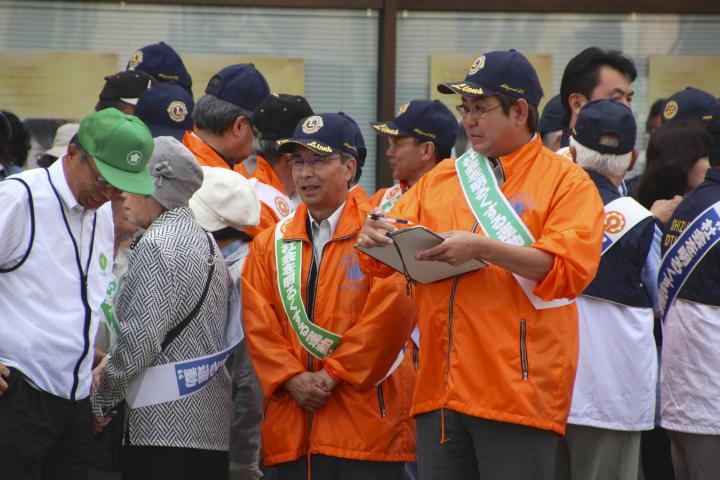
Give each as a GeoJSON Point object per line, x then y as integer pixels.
{"type": "Point", "coordinates": [323, 232]}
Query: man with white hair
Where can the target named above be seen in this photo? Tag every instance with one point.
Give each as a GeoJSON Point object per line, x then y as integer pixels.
{"type": "Point", "coordinates": [614, 393]}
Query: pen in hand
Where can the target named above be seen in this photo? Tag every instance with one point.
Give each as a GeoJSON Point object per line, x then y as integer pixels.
{"type": "Point", "coordinates": [383, 218]}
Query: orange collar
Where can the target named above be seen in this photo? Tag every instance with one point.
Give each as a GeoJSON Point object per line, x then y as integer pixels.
{"type": "Point", "coordinates": [266, 174]}
{"type": "Point", "coordinates": [207, 156]}
{"type": "Point", "coordinates": [520, 158]}
{"type": "Point", "coordinates": [348, 225]}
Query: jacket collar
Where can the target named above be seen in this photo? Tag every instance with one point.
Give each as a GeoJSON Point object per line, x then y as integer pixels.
{"type": "Point", "coordinates": [348, 224]}
{"type": "Point", "coordinates": [266, 174]}
{"type": "Point", "coordinates": [522, 157]}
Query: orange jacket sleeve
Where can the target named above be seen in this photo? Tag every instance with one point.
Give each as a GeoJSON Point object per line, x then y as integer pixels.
{"type": "Point", "coordinates": [573, 234]}
{"type": "Point", "coordinates": [369, 348]}
{"type": "Point", "coordinates": [270, 351]}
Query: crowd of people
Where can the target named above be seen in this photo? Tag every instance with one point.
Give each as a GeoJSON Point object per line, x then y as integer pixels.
{"type": "Point", "coordinates": [182, 295]}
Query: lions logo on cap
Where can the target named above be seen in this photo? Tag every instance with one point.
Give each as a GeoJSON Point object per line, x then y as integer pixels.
{"type": "Point", "coordinates": [312, 124]}
{"type": "Point", "coordinates": [671, 110]}
{"type": "Point", "coordinates": [478, 64]}
{"type": "Point", "coordinates": [134, 157]}
{"type": "Point", "coordinates": [403, 108]}
{"type": "Point", "coordinates": [136, 59]}
{"type": "Point", "coordinates": [177, 111]}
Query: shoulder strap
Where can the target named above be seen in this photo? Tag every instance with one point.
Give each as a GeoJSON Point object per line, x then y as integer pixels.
{"type": "Point", "coordinates": [32, 227]}
{"type": "Point", "coordinates": [177, 329]}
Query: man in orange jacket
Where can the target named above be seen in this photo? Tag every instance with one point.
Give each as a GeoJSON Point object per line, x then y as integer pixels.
{"type": "Point", "coordinates": [222, 134]}
{"type": "Point", "coordinates": [421, 135]}
{"type": "Point", "coordinates": [499, 345]}
{"type": "Point", "coordinates": [275, 118]}
{"type": "Point", "coordinates": [323, 337]}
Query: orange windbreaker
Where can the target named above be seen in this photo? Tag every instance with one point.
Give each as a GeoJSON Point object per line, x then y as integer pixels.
{"type": "Point", "coordinates": [208, 157]}
{"type": "Point", "coordinates": [360, 421]}
{"type": "Point", "coordinates": [264, 173]}
{"type": "Point", "coordinates": [359, 192]}
{"type": "Point", "coordinates": [485, 351]}
{"type": "Point", "coordinates": [377, 196]}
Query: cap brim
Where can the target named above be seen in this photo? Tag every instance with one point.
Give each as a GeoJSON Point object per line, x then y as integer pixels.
{"type": "Point", "coordinates": [56, 151]}
{"type": "Point", "coordinates": [288, 146]}
{"type": "Point", "coordinates": [131, 101]}
{"type": "Point", "coordinates": [466, 89]}
{"type": "Point", "coordinates": [140, 182]}
{"type": "Point", "coordinates": [166, 131]}
{"type": "Point", "coordinates": [389, 129]}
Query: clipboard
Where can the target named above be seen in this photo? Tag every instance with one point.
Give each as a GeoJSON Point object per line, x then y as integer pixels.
{"type": "Point", "coordinates": [408, 242]}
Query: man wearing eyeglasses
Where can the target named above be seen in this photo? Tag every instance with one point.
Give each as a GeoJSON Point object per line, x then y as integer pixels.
{"type": "Point", "coordinates": [495, 383]}
{"type": "Point", "coordinates": [420, 136]}
{"type": "Point", "coordinates": [55, 265]}
{"type": "Point", "coordinates": [323, 337]}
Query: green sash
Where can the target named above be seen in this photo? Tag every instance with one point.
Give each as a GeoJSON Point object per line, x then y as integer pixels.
{"type": "Point", "coordinates": [495, 215]}
{"type": "Point", "coordinates": [288, 262]}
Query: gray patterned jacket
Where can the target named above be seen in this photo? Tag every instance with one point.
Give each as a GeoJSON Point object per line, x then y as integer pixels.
{"type": "Point", "coordinates": [165, 279]}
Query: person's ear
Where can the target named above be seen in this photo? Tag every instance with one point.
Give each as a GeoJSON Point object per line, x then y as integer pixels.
{"type": "Point", "coordinates": [577, 101]}
{"type": "Point", "coordinates": [522, 110]}
{"type": "Point", "coordinates": [633, 158]}
{"type": "Point", "coordinates": [240, 122]}
{"type": "Point", "coordinates": [427, 152]}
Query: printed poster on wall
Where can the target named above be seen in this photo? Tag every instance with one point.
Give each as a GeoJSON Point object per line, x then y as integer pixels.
{"type": "Point", "coordinates": [450, 67]}
{"type": "Point", "coordinates": [47, 84]}
{"type": "Point", "coordinates": [285, 75]}
{"type": "Point", "coordinates": [671, 73]}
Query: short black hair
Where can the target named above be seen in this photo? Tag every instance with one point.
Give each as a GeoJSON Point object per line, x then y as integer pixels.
{"type": "Point", "coordinates": [441, 151]}
{"type": "Point", "coordinates": [581, 74]}
{"type": "Point", "coordinates": [533, 121]}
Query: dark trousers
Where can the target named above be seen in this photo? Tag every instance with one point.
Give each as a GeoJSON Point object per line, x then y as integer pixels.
{"type": "Point", "coordinates": [323, 467]}
{"type": "Point", "coordinates": [480, 449]}
{"type": "Point", "coordinates": [155, 463]}
{"type": "Point", "coordinates": [42, 436]}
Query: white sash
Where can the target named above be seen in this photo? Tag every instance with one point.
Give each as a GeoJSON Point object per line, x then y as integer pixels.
{"type": "Point", "coordinates": [495, 215]}
{"type": "Point", "coordinates": [273, 198]}
{"type": "Point", "coordinates": [621, 215]}
{"type": "Point", "coordinates": [173, 381]}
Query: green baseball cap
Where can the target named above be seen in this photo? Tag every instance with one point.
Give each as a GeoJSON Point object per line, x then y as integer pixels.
{"type": "Point", "coordinates": [121, 146]}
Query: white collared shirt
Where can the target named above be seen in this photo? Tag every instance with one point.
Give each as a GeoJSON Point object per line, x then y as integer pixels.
{"type": "Point", "coordinates": [323, 232]}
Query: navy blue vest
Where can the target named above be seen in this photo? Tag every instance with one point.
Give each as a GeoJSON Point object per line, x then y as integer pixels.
{"type": "Point", "coordinates": [703, 285]}
{"type": "Point", "coordinates": [618, 277]}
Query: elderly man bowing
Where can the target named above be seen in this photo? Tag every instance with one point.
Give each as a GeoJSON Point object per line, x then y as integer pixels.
{"type": "Point", "coordinates": [323, 337]}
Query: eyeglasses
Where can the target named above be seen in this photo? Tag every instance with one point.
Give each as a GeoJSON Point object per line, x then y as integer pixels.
{"type": "Point", "coordinates": [100, 182]}
{"type": "Point", "coordinates": [315, 162]}
{"type": "Point", "coordinates": [475, 110]}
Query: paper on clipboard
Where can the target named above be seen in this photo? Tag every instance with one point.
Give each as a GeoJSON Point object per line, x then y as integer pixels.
{"type": "Point", "coordinates": [408, 242]}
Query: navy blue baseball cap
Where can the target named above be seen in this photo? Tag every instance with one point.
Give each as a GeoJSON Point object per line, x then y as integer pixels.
{"type": "Point", "coordinates": [551, 118]}
{"type": "Point", "coordinates": [714, 123]}
{"type": "Point", "coordinates": [606, 117]}
{"type": "Point", "coordinates": [324, 134]}
{"type": "Point", "coordinates": [241, 84]}
{"type": "Point", "coordinates": [428, 120]}
{"type": "Point", "coordinates": [358, 139]}
{"type": "Point", "coordinates": [166, 109]}
{"type": "Point", "coordinates": [163, 63]}
{"type": "Point", "coordinates": [691, 104]}
{"type": "Point", "coordinates": [505, 72]}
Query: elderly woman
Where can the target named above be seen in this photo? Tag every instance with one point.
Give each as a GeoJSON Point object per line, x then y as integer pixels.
{"type": "Point", "coordinates": [173, 307]}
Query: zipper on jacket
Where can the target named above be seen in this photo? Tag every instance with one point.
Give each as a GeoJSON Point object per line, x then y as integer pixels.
{"type": "Point", "coordinates": [523, 350]}
{"type": "Point", "coordinates": [381, 400]}
{"type": "Point", "coordinates": [451, 310]}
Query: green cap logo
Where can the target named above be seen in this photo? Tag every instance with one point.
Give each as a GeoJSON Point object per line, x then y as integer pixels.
{"type": "Point", "coordinates": [134, 157]}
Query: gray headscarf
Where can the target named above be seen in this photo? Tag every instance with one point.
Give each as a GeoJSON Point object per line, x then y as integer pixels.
{"type": "Point", "coordinates": [175, 171]}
